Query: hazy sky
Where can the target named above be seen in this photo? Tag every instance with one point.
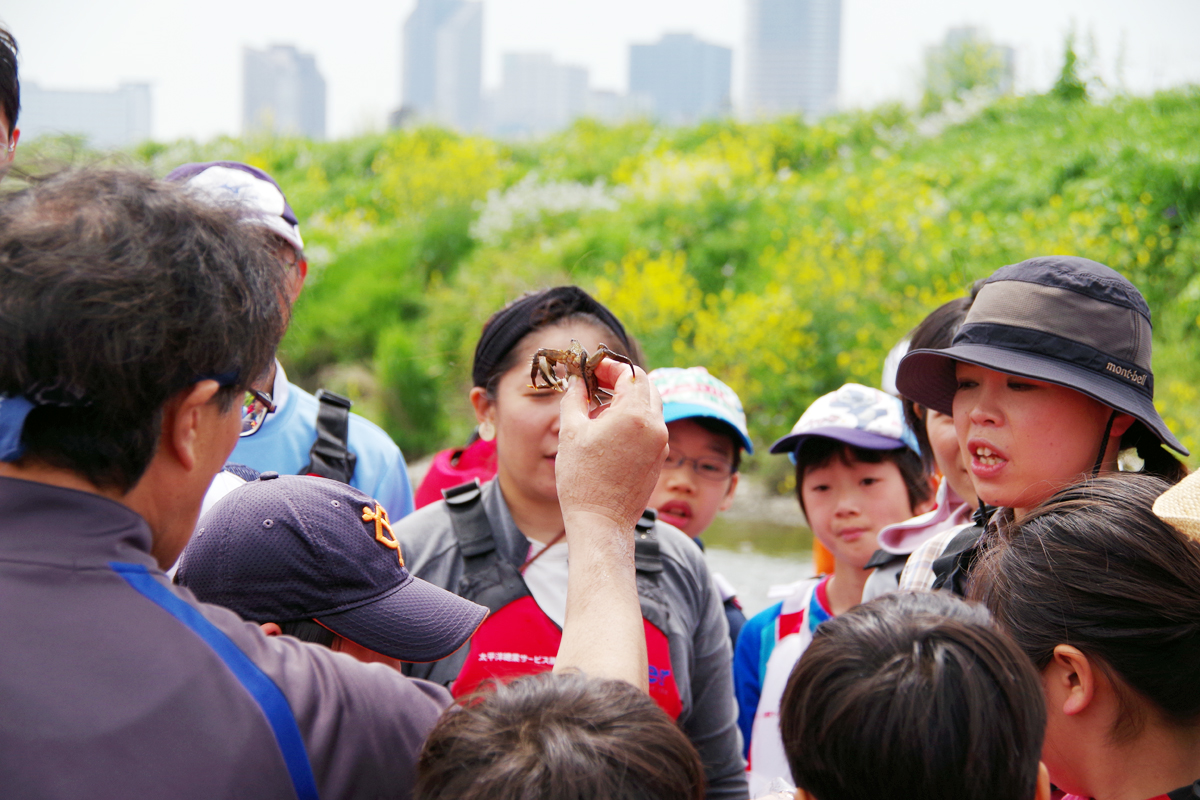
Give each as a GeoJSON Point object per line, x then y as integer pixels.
{"type": "Point", "coordinates": [191, 52]}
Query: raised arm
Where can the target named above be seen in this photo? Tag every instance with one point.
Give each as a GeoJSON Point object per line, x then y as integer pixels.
{"type": "Point", "coordinates": [607, 465]}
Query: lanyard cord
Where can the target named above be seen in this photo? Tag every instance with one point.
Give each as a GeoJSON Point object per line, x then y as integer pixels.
{"type": "Point", "coordinates": [539, 553]}
{"type": "Point", "coordinates": [1104, 443]}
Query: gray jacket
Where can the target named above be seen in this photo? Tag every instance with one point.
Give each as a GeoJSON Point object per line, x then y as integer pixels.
{"type": "Point", "coordinates": [697, 631]}
{"type": "Point", "coordinates": [115, 683]}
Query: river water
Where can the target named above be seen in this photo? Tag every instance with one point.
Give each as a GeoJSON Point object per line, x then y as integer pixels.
{"type": "Point", "coordinates": [754, 556]}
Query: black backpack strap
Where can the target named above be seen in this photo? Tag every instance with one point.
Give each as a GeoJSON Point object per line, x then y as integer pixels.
{"type": "Point", "coordinates": [330, 456]}
{"type": "Point", "coordinates": [647, 559]}
{"type": "Point", "coordinates": [881, 558]}
{"type": "Point", "coordinates": [487, 579]}
{"type": "Point", "coordinates": [953, 567]}
{"type": "Point", "coordinates": [471, 526]}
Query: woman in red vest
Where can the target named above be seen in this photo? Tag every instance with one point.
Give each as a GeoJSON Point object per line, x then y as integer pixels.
{"type": "Point", "coordinates": [502, 545]}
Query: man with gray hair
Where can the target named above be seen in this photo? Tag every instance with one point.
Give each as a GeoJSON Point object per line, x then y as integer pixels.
{"type": "Point", "coordinates": [133, 319]}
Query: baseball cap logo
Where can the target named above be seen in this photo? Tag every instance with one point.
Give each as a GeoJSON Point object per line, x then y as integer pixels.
{"type": "Point", "coordinates": [380, 517]}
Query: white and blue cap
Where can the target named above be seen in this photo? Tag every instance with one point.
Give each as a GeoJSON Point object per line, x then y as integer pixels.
{"type": "Point", "coordinates": [254, 190]}
{"type": "Point", "coordinates": [857, 415]}
{"type": "Point", "coordinates": [692, 392]}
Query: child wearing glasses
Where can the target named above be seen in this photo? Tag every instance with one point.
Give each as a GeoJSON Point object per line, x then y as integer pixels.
{"type": "Point", "coordinates": [857, 470]}
{"type": "Point", "coordinates": [707, 429]}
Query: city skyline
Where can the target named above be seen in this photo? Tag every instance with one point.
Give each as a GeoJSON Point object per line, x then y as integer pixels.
{"type": "Point", "coordinates": [193, 64]}
{"type": "Point", "coordinates": [792, 57]}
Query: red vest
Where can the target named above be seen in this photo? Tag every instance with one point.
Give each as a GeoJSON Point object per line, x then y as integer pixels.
{"type": "Point", "coordinates": [517, 638]}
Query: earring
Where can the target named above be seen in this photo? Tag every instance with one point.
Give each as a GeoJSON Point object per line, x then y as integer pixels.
{"type": "Point", "coordinates": [486, 431]}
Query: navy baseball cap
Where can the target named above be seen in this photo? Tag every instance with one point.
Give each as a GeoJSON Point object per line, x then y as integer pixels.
{"type": "Point", "coordinates": [256, 191]}
{"type": "Point", "coordinates": [293, 547]}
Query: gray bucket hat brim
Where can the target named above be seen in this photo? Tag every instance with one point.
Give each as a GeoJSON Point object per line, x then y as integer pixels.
{"type": "Point", "coordinates": [928, 377]}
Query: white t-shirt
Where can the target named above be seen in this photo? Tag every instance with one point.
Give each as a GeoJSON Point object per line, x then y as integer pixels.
{"type": "Point", "coordinates": [547, 579]}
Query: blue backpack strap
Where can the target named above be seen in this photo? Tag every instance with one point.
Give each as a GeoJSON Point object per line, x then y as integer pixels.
{"type": "Point", "coordinates": [265, 692]}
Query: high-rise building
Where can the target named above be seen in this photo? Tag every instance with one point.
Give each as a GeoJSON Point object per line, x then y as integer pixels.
{"type": "Point", "coordinates": [687, 80]}
{"type": "Point", "coordinates": [282, 93]}
{"type": "Point", "coordinates": [442, 63]}
{"type": "Point", "coordinates": [537, 95]}
{"type": "Point", "coordinates": [104, 119]}
{"type": "Point", "coordinates": [792, 49]}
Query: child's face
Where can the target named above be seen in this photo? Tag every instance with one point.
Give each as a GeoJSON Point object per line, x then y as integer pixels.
{"type": "Point", "coordinates": [684, 498]}
{"type": "Point", "coordinates": [1024, 438]}
{"type": "Point", "coordinates": [943, 440]}
{"type": "Point", "coordinates": [848, 503]}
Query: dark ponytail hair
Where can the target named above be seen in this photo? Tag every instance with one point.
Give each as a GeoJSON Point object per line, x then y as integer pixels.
{"type": "Point", "coordinates": [1094, 568]}
{"type": "Point", "coordinates": [1158, 460]}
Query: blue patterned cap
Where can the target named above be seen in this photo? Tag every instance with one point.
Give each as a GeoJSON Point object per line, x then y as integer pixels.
{"type": "Point", "coordinates": [855, 414]}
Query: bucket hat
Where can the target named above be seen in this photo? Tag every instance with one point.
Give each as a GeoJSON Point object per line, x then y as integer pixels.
{"type": "Point", "coordinates": [1061, 319]}
{"type": "Point", "coordinates": [283, 548]}
{"type": "Point", "coordinates": [693, 392]}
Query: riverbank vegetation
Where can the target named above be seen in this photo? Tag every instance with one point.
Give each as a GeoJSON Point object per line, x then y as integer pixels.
{"type": "Point", "coordinates": [787, 257]}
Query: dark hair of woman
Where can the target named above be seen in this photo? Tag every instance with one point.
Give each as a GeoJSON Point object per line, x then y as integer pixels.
{"type": "Point", "coordinates": [1094, 568]}
{"type": "Point", "coordinates": [1158, 460]}
{"type": "Point", "coordinates": [497, 353]}
{"type": "Point", "coordinates": [559, 737]}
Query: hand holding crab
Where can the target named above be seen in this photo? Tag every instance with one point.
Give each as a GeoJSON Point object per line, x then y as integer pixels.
{"type": "Point", "coordinates": [576, 361]}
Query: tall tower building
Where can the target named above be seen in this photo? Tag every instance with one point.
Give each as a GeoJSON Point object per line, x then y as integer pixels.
{"type": "Point", "coordinates": [685, 79]}
{"type": "Point", "coordinates": [792, 49]}
{"type": "Point", "coordinates": [283, 93]}
{"type": "Point", "coordinates": [442, 62]}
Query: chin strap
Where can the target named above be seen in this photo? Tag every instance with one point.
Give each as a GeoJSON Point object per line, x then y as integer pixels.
{"type": "Point", "coordinates": [1104, 443]}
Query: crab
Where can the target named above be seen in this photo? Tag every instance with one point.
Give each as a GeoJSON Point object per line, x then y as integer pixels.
{"type": "Point", "coordinates": [577, 362]}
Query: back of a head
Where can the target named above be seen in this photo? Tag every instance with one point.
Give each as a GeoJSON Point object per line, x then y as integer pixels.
{"type": "Point", "coordinates": [913, 695]}
{"type": "Point", "coordinates": [559, 737]}
{"type": "Point", "coordinates": [1094, 567]}
{"type": "Point", "coordinates": [117, 292]}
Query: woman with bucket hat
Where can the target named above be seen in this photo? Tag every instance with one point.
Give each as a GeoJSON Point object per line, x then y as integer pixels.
{"type": "Point", "coordinates": [1049, 382]}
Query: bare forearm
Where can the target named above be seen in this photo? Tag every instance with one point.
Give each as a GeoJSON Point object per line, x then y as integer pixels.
{"type": "Point", "coordinates": [603, 635]}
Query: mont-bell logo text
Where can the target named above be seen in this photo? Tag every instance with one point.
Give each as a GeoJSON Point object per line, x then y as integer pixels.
{"type": "Point", "coordinates": [1127, 374]}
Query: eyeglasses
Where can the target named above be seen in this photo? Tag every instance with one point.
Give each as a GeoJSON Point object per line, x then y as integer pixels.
{"type": "Point", "coordinates": [714, 469]}
{"type": "Point", "coordinates": [255, 408]}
